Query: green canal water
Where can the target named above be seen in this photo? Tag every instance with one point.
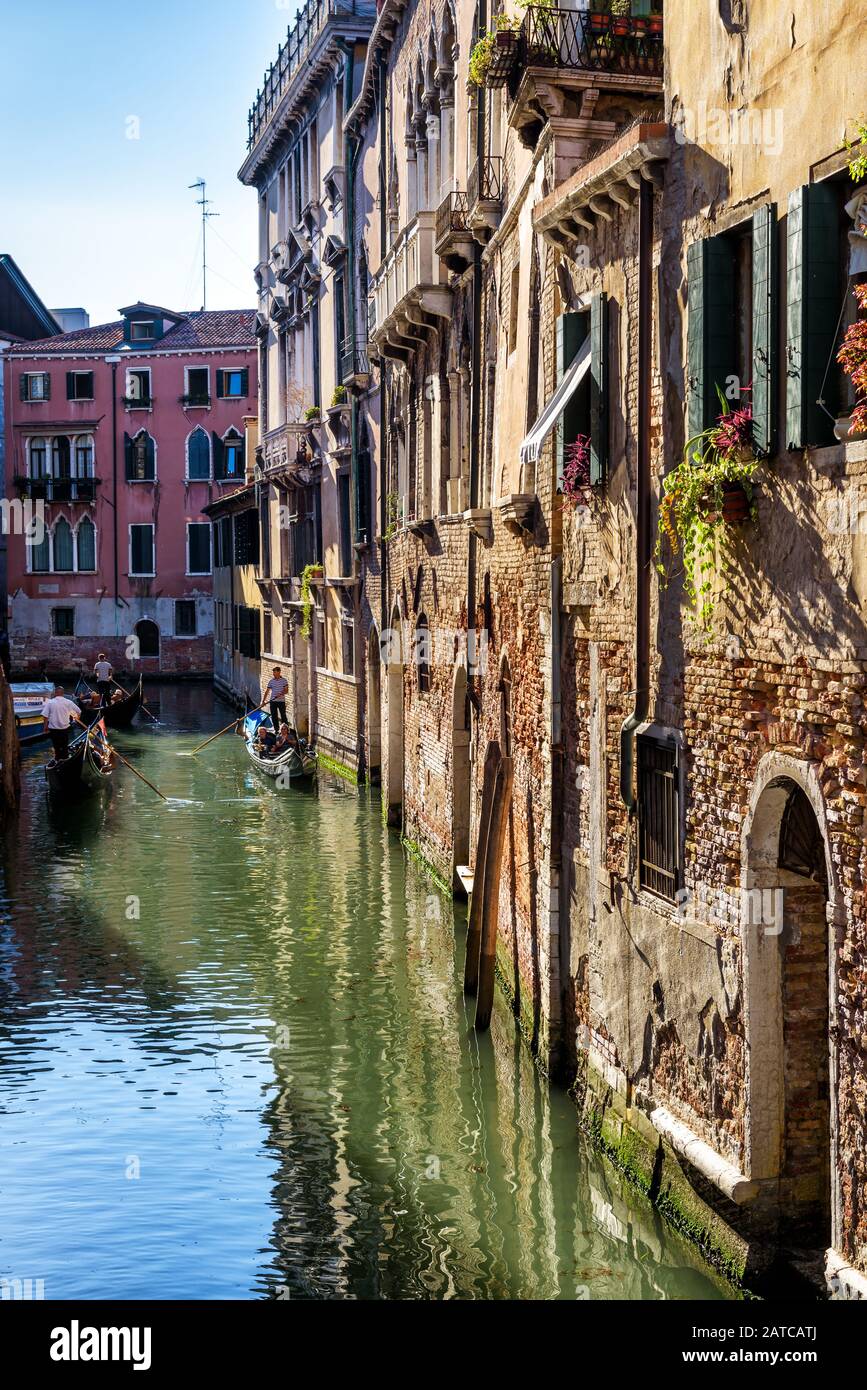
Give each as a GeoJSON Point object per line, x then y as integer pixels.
{"type": "Point", "coordinates": [236, 1061]}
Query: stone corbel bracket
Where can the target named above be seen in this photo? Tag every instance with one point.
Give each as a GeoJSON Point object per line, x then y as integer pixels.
{"type": "Point", "coordinates": [518, 512]}
{"type": "Point", "coordinates": [480, 522]}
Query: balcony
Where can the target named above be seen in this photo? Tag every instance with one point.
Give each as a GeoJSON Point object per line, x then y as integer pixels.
{"type": "Point", "coordinates": [137, 402]}
{"type": "Point", "coordinates": [354, 363]}
{"type": "Point", "coordinates": [485, 196]}
{"type": "Point", "coordinates": [454, 240]}
{"type": "Point", "coordinates": [57, 489]}
{"type": "Point", "coordinates": [408, 290]}
{"type": "Point", "coordinates": [567, 59]}
{"type": "Point", "coordinates": [294, 56]}
{"type": "Point", "coordinates": [198, 399]}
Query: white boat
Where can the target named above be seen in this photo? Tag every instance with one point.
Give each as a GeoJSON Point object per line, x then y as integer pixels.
{"type": "Point", "coordinates": [28, 697]}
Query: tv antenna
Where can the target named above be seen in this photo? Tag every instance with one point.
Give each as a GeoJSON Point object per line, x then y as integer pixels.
{"type": "Point", "coordinates": [204, 203]}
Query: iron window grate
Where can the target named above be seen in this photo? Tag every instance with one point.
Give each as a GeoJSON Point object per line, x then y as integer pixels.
{"type": "Point", "coordinates": [658, 818]}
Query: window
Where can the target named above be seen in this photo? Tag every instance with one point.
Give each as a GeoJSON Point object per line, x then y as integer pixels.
{"type": "Point", "coordinates": [233, 383]}
{"type": "Point", "coordinates": [229, 457]}
{"type": "Point", "coordinates": [185, 617]}
{"type": "Point", "coordinates": [339, 313]}
{"type": "Point", "coordinates": [60, 457]}
{"type": "Point", "coordinates": [141, 549]}
{"type": "Point", "coordinates": [140, 458]}
{"type": "Point", "coordinates": [247, 628]}
{"type": "Point", "coordinates": [63, 622]}
{"type": "Point", "coordinates": [223, 542]}
{"type": "Point", "coordinates": [347, 644]}
{"type": "Point", "coordinates": [35, 386]}
{"type": "Point", "coordinates": [62, 547]}
{"type": "Point", "coordinates": [85, 541]}
{"type": "Point", "coordinates": [141, 330]}
{"type": "Point", "coordinates": [84, 456]}
{"type": "Point", "coordinates": [198, 547]}
{"type": "Point", "coordinates": [266, 631]}
{"type": "Point", "coordinates": [198, 386]}
{"type": "Point", "coordinates": [79, 386]}
{"type": "Point", "coordinates": [658, 817]}
{"type": "Point", "coordinates": [38, 458]}
{"type": "Point", "coordinates": [247, 537]}
{"type": "Point", "coordinates": [138, 387]}
{"type": "Point", "coordinates": [40, 555]}
{"type": "Point", "coordinates": [265, 534]}
{"type": "Point", "coordinates": [422, 653]}
{"type": "Point", "coordinates": [513, 307]}
{"type": "Point", "coordinates": [344, 514]}
{"type": "Point", "coordinates": [198, 456]}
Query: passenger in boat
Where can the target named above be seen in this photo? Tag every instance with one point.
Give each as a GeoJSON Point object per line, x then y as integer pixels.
{"type": "Point", "coordinates": [287, 738]}
{"type": "Point", "coordinates": [57, 714]}
{"type": "Point", "coordinates": [275, 694]}
{"type": "Point", "coordinates": [117, 696]}
{"type": "Point", "coordinates": [103, 672]}
{"type": "Point", "coordinates": [264, 741]}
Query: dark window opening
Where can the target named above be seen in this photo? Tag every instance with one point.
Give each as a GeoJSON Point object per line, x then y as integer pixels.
{"type": "Point", "coordinates": [197, 386]}
{"type": "Point", "coordinates": [185, 617]}
{"type": "Point", "coordinates": [63, 622]}
{"type": "Point", "coordinates": [422, 653]}
{"type": "Point", "coordinates": [141, 546]}
{"type": "Point", "coordinates": [344, 508]}
{"type": "Point", "coordinates": [658, 817]}
{"type": "Point", "coordinates": [79, 386]}
{"type": "Point", "coordinates": [246, 534]}
{"type": "Point", "coordinates": [199, 541]}
{"type": "Point", "coordinates": [247, 627]}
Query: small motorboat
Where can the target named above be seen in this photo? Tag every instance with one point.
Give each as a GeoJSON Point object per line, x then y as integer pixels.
{"type": "Point", "coordinates": [88, 766]}
{"type": "Point", "coordinates": [293, 765]}
{"type": "Point", "coordinates": [28, 697]}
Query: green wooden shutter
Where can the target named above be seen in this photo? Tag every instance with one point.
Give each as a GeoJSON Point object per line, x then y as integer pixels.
{"type": "Point", "coordinates": [127, 454]}
{"type": "Point", "coordinates": [570, 330]}
{"type": "Point", "coordinates": [219, 466]}
{"type": "Point", "coordinates": [812, 311]}
{"type": "Point", "coordinates": [151, 458]}
{"type": "Point", "coordinates": [24, 387]}
{"type": "Point", "coordinates": [220, 388]}
{"type": "Point", "coordinates": [245, 381]}
{"type": "Point", "coordinates": [710, 346]}
{"type": "Point", "coordinates": [46, 386]}
{"type": "Point", "coordinates": [598, 388]}
{"type": "Point", "coordinates": [70, 386]}
{"type": "Point", "coordinates": [765, 328]}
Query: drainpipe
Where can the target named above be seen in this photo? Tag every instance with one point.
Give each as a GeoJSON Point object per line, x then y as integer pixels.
{"type": "Point", "coordinates": [642, 503]}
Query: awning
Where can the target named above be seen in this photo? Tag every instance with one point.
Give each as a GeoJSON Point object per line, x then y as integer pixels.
{"type": "Point", "coordinates": [553, 410]}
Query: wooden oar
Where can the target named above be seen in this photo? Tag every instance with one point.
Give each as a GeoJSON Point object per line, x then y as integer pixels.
{"type": "Point", "coordinates": [227, 728]}
{"type": "Point", "coordinates": [137, 773]}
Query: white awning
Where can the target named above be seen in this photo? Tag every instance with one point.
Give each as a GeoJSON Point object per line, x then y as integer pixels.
{"type": "Point", "coordinates": [550, 415]}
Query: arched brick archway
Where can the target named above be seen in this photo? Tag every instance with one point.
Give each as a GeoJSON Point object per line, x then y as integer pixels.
{"type": "Point", "coordinates": [789, 903]}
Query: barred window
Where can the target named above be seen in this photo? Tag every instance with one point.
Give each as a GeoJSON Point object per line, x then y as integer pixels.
{"type": "Point", "coordinates": [659, 854]}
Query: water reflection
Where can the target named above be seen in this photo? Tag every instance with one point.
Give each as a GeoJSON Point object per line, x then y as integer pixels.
{"type": "Point", "coordinates": [235, 1060]}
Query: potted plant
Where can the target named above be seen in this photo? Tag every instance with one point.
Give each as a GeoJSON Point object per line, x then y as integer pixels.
{"type": "Point", "coordinates": [599, 21]}
{"type": "Point", "coordinates": [311, 414]}
{"type": "Point", "coordinates": [708, 493]}
{"type": "Point", "coordinates": [654, 26]}
{"type": "Point", "coordinates": [495, 53]}
{"type": "Point", "coordinates": [338, 396]}
{"type": "Point", "coordinates": [853, 359]}
{"type": "Point", "coordinates": [308, 575]}
{"type": "Point", "coordinates": [576, 485]}
{"type": "Point", "coordinates": [858, 162]}
{"type": "Point", "coordinates": [620, 18]}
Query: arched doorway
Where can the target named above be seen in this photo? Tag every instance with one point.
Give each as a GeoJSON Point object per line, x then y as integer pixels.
{"type": "Point", "coordinates": [374, 708]}
{"type": "Point", "coordinates": [789, 981]}
{"type": "Point", "coordinates": [394, 717]}
{"type": "Point", "coordinates": [460, 774]}
{"type": "Point", "coordinates": [148, 635]}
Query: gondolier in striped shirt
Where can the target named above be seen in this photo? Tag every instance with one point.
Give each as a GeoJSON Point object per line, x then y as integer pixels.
{"type": "Point", "coordinates": [58, 713]}
{"type": "Point", "coordinates": [275, 694]}
{"type": "Point", "coordinates": [103, 672]}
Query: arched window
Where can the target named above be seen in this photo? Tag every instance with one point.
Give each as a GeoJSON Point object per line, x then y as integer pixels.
{"type": "Point", "coordinates": [198, 456]}
{"type": "Point", "coordinates": [140, 458]}
{"type": "Point", "coordinates": [84, 456]}
{"type": "Point", "coordinates": [229, 457]}
{"type": "Point", "coordinates": [85, 538]}
{"type": "Point", "coordinates": [62, 542]}
{"type": "Point", "coordinates": [60, 456]}
{"type": "Point", "coordinates": [148, 635]}
{"type": "Point", "coordinates": [40, 555]}
{"type": "Point", "coordinates": [39, 458]}
{"type": "Point", "coordinates": [422, 652]}
{"type": "Point", "coordinates": [505, 708]}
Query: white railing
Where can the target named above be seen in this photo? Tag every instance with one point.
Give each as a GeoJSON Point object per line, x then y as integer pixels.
{"type": "Point", "coordinates": [409, 265]}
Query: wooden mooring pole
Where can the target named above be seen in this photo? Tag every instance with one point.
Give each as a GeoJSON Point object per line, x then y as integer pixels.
{"type": "Point", "coordinates": [474, 924]}
{"type": "Point", "coordinates": [491, 893]}
{"type": "Point", "coordinates": [10, 752]}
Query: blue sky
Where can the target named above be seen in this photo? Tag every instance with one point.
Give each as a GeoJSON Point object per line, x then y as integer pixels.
{"type": "Point", "coordinates": [96, 219]}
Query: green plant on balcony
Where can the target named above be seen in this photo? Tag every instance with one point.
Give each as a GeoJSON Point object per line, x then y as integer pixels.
{"type": "Point", "coordinates": [392, 516]}
{"type": "Point", "coordinates": [338, 396]}
{"type": "Point", "coordinates": [858, 162]}
{"type": "Point", "coordinates": [853, 359]}
{"type": "Point", "coordinates": [494, 53]}
{"type": "Point", "coordinates": [311, 413]}
{"type": "Point", "coordinates": [709, 492]}
{"type": "Point", "coordinates": [308, 574]}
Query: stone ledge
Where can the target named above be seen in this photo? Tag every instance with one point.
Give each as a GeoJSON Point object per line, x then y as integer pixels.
{"type": "Point", "coordinates": [702, 1157]}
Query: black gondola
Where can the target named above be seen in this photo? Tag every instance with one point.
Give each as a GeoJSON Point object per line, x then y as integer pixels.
{"type": "Point", "coordinates": [119, 715]}
{"type": "Point", "coordinates": [86, 768]}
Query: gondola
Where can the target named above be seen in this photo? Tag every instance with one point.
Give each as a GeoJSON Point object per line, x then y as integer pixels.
{"type": "Point", "coordinates": [118, 715]}
{"type": "Point", "coordinates": [87, 768]}
{"type": "Point", "coordinates": [295, 765]}
{"type": "Point", "coordinates": [28, 699]}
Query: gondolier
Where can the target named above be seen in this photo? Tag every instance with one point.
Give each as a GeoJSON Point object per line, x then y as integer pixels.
{"type": "Point", "coordinates": [275, 694]}
{"type": "Point", "coordinates": [103, 672]}
{"type": "Point", "coordinates": [57, 715]}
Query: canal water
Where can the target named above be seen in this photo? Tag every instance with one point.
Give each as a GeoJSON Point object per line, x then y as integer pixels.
{"type": "Point", "coordinates": [236, 1061]}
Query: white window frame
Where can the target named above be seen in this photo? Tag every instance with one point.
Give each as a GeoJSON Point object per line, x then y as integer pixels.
{"type": "Point", "coordinates": [141, 574]}
{"type": "Point", "coordinates": [199, 429]}
{"type": "Point", "coordinates": [52, 568]}
{"type": "Point", "coordinates": [207, 372]}
{"type": "Point", "coordinates": [198, 574]}
{"type": "Point", "coordinates": [76, 371]}
{"type": "Point", "coordinates": [67, 636]}
{"type": "Point", "coordinates": [227, 371]}
{"type": "Point", "coordinates": [145, 482]}
{"type": "Point", "coordinates": [184, 636]}
{"type": "Point", "coordinates": [75, 530]}
{"type": "Point", "coordinates": [142, 337]}
{"type": "Point", "coordinates": [232, 436]}
{"type": "Point", "coordinates": [35, 400]}
{"type": "Point", "coordinates": [128, 394]}
{"type": "Point", "coordinates": [45, 441]}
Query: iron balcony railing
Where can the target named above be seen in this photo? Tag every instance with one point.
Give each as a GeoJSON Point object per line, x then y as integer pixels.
{"type": "Point", "coordinates": [485, 183]}
{"type": "Point", "coordinates": [58, 489]}
{"type": "Point", "coordinates": [581, 39]}
{"type": "Point", "coordinates": [353, 359]}
{"type": "Point", "coordinates": [451, 216]}
{"type": "Point", "coordinates": [312, 18]}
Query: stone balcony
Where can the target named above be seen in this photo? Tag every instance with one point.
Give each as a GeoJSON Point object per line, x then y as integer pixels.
{"type": "Point", "coordinates": [485, 196]}
{"type": "Point", "coordinates": [409, 292]}
{"type": "Point", "coordinates": [454, 241]}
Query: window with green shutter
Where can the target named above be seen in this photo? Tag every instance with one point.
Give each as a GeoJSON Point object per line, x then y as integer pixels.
{"type": "Point", "coordinates": [233, 383]}
{"type": "Point", "coordinates": [598, 388]}
{"type": "Point", "coordinates": [35, 386]}
{"type": "Point", "coordinates": [198, 547]}
{"type": "Point", "coordinates": [141, 549]}
{"type": "Point", "coordinates": [711, 344]}
{"type": "Point", "coordinates": [198, 456]}
{"type": "Point", "coordinates": [572, 329]}
{"type": "Point", "coordinates": [813, 294]}
{"type": "Point", "coordinates": [79, 386]}
{"type": "Point", "coordinates": [764, 393]}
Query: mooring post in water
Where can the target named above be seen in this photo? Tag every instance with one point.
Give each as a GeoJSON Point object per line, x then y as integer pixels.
{"type": "Point", "coordinates": [474, 924]}
{"type": "Point", "coordinates": [491, 892]}
{"type": "Point", "coordinates": [10, 751]}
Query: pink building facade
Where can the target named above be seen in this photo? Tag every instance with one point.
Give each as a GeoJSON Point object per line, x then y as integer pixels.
{"type": "Point", "coordinates": [118, 437]}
